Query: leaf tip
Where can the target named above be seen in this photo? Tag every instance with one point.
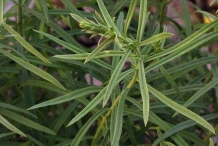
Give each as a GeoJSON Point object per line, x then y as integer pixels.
{"type": "Point", "coordinates": [87, 60]}
{"type": "Point", "coordinates": [30, 108]}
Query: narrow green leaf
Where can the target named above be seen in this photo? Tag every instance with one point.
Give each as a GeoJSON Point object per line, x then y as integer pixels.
{"type": "Point", "coordinates": [184, 111]}
{"type": "Point", "coordinates": [74, 49]}
{"type": "Point", "coordinates": [118, 7]}
{"type": "Point", "coordinates": [129, 15]}
{"type": "Point", "coordinates": [106, 16]}
{"type": "Point", "coordinates": [17, 109]}
{"type": "Point", "coordinates": [144, 91]}
{"type": "Point", "coordinates": [68, 97]}
{"type": "Point", "coordinates": [78, 18]}
{"type": "Point", "coordinates": [25, 121]}
{"type": "Point", "coordinates": [97, 99]}
{"type": "Point", "coordinates": [130, 131]}
{"type": "Point", "coordinates": [165, 126]}
{"type": "Point", "coordinates": [214, 68]}
{"type": "Point", "coordinates": [181, 126]}
{"type": "Point", "coordinates": [88, 107]}
{"type": "Point", "coordinates": [80, 135]}
{"type": "Point", "coordinates": [83, 56]}
{"type": "Point", "coordinates": [71, 7]}
{"type": "Point", "coordinates": [189, 136]}
{"type": "Point", "coordinates": [67, 37]}
{"type": "Point", "coordinates": [153, 118]}
{"type": "Point", "coordinates": [24, 43]}
{"type": "Point", "coordinates": [169, 144]}
{"type": "Point", "coordinates": [142, 19]}
{"type": "Point", "coordinates": [159, 133]}
{"type": "Point", "coordinates": [119, 118]}
{"type": "Point", "coordinates": [152, 28]}
{"type": "Point", "coordinates": [1, 12]}
{"type": "Point", "coordinates": [155, 38]}
{"type": "Point", "coordinates": [44, 85]}
{"type": "Point", "coordinates": [7, 134]}
{"type": "Point", "coordinates": [182, 50]}
{"type": "Point", "coordinates": [11, 127]}
{"type": "Point", "coordinates": [185, 66]}
{"type": "Point", "coordinates": [33, 69]}
{"type": "Point", "coordinates": [98, 16]}
{"type": "Point", "coordinates": [45, 8]}
{"type": "Point", "coordinates": [186, 14]}
{"type": "Point", "coordinates": [62, 118]}
{"type": "Point", "coordinates": [169, 78]}
{"type": "Point", "coordinates": [34, 140]}
{"type": "Point", "coordinates": [61, 42]}
{"type": "Point", "coordinates": [114, 77]}
{"type": "Point", "coordinates": [113, 116]}
{"type": "Point", "coordinates": [119, 24]}
{"type": "Point", "coordinates": [194, 37]}
{"type": "Point", "coordinates": [200, 92]}
{"type": "Point", "coordinates": [98, 49]}
{"type": "Point", "coordinates": [105, 140]}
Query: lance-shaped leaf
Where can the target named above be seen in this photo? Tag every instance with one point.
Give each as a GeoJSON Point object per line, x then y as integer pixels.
{"type": "Point", "coordinates": [17, 109]}
{"type": "Point", "coordinates": [99, 19]}
{"type": "Point", "coordinates": [181, 50]}
{"type": "Point", "coordinates": [186, 17]}
{"type": "Point", "coordinates": [96, 100]}
{"type": "Point", "coordinates": [181, 126]}
{"type": "Point", "coordinates": [68, 97]}
{"type": "Point", "coordinates": [142, 19]}
{"type": "Point", "coordinates": [144, 91]}
{"type": "Point", "coordinates": [45, 8]}
{"type": "Point", "coordinates": [25, 121]}
{"type": "Point", "coordinates": [119, 118]}
{"type": "Point", "coordinates": [72, 7]}
{"type": "Point", "coordinates": [37, 142]}
{"type": "Point", "coordinates": [114, 77]}
{"type": "Point", "coordinates": [11, 127]}
{"type": "Point", "coordinates": [153, 118]}
{"type": "Point", "coordinates": [86, 127]}
{"type": "Point", "coordinates": [156, 38]}
{"type": "Point", "coordinates": [77, 18]}
{"type": "Point", "coordinates": [83, 56]}
{"type": "Point", "coordinates": [169, 78]}
{"type": "Point", "coordinates": [181, 109]}
{"type": "Point", "coordinates": [129, 15]}
{"type": "Point", "coordinates": [195, 37]}
{"type": "Point", "coordinates": [24, 43]}
{"type": "Point", "coordinates": [62, 33]}
{"type": "Point", "coordinates": [200, 92]}
{"type": "Point", "coordinates": [98, 49]}
{"type": "Point", "coordinates": [88, 107]}
{"type": "Point", "coordinates": [74, 49]}
{"type": "Point", "coordinates": [106, 16]}
{"type": "Point", "coordinates": [33, 69]}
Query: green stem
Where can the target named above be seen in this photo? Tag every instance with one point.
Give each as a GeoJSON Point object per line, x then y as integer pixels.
{"type": "Point", "coordinates": [103, 121]}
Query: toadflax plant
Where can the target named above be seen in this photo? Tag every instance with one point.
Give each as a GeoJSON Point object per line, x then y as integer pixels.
{"type": "Point", "coordinates": [141, 88]}
{"type": "Point", "coordinates": [114, 98]}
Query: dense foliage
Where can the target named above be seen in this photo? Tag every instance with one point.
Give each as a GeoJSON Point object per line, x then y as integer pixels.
{"type": "Point", "coordinates": [141, 85]}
